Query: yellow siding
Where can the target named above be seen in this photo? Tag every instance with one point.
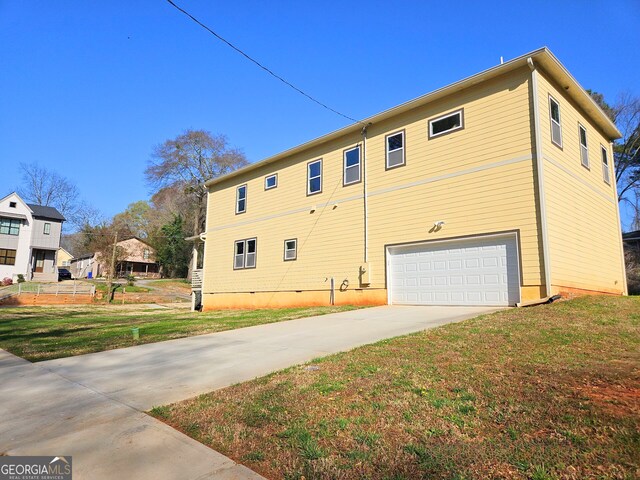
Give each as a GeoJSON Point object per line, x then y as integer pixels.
{"type": "Point", "coordinates": [478, 180]}
{"type": "Point", "coordinates": [583, 227]}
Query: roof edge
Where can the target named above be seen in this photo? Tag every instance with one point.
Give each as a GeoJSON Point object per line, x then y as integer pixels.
{"type": "Point", "coordinates": [492, 72]}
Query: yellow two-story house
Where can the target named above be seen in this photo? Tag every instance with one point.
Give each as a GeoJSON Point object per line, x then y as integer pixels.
{"type": "Point", "coordinates": [494, 190]}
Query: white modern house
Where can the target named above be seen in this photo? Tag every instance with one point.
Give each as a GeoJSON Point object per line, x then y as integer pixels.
{"type": "Point", "coordinates": [29, 239]}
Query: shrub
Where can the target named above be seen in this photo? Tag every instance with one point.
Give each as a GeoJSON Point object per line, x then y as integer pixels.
{"type": "Point", "coordinates": [131, 280]}
{"type": "Point", "coordinates": [21, 278]}
{"type": "Point", "coordinates": [6, 281]}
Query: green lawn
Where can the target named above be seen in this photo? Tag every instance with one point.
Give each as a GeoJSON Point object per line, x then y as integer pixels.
{"type": "Point", "coordinates": [102, 287]}
{"type": "Point", "coordinates": [43, 333]}
{"type": "Point", "coordinates": [548, 392]}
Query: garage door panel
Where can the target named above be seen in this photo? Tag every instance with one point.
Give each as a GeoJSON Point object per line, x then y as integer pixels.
{"type": "Point", "coordinates": [477, 271]}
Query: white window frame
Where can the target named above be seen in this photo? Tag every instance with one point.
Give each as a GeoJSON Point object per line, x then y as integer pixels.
{"type": "Point", "coordinates": [387, 151]}
{"type": "Point", "coordinates": [266, 181]}
{"type": "Point", "coordinates": [460, 112]}
{"type": "Point", "coordinates": [357, 166]}
{"type": "Point", "coordinates": [606, 168]}
{"type": "Point", "coordinates": [294, 249]}
{"type": "Point", "coordinates": [245, 254]}
{"type": "Point", "coordinates": [46, 230]}
{"type": "Point", "coordinates": [552, 121]}
{"type": "Point", "coordinates": [584, 149]}
{"type": "Point", "coordinates": [309, 177]}
{"type": "Point", "coordinates": [238, 199]}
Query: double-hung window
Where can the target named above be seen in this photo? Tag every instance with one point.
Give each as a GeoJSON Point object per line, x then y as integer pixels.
{"type": "Point", "coordinates": [606, 176]}
{"type": "Point", "coordinates": [447, 123]}
{"type": "Point", "coordinates": [351, 166]}
{"type": "Point", "coordinates": [314, 177]}
{"type": "Point", "coordinates": [395, 149]}
{"type": "Point", "coordinates": [7, 257]}
{"type": "Point", "coordinates": [47, 228]}
{"type": "Point", "coordinates": [10, 226]}
{"type": "Point", "coordinates": [244, 254]}
{"type": "Point", "coordinates": [290, 249]}
{"type": "Point", "coordinates": [584, 150]}
{"type": "Point", "coordinates": [554, 116]}
{"type": "Point", "coordinates": [241, 199]}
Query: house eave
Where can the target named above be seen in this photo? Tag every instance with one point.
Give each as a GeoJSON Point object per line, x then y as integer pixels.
{"type": "Point", "coordinates": [543, 56]}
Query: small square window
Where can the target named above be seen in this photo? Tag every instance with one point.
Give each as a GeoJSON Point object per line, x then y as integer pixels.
{"type": "Point", "coordinates": [13, 204]}
{"type": "Point", "coordinates": [351, 166]}
{"type": "Point", "coordinates": [290, 249]}
{"type": "Point", "coordinates": [395, 150]}
{"type": "Point", "coordinates": [314, 177]}
{"type": "Point", "coordinates": [584, 149]}
{"type": "Point", "coordinates": [554, 116]}
{"type": "Point", "coordinates": [241, 199]}
{"type": "Point", "coordinates": [271, 181]}
{"type": "Point", "coordinates": [446, 123]}
{"type": "Point", "coordinates": [606, 175]}
{"type": "Point", "coordinates": [47, 228]}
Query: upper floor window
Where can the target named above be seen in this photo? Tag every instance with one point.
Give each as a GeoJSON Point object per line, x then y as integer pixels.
{"type": "Point", "coordinates": [290, 249]}
{"type": "Point", "coordinates": [446, 123]}
{"type": "Point", "coordinates": [7, 257]}
{"type": "Point", "coordinates": [13, 204]}
{"type": "Point", "coordinates": [10, 226]}
{"type": "Point", "coordinates": [241, 199]}
{"type": "Point", "coordinates": [314, 177]}
{"type": "Point", "coordinates": [47, 228]}
{"type": "Point", "coordinates": [395, 149]}
{"type": "Point", "coordinates": [145, 254]}
{"type": "Point", "coordinates": [584, 150]}
{"type": "Point", "coordinates": [271, 181]}
{"type": "Point", "coordinates": [554, 115]}
{"type": "Point", "coordinates": [244, 254]}
{"type": "Point", "coordinates": [606, 176]}
{"type": "Point", "coordinates": [351, 166]}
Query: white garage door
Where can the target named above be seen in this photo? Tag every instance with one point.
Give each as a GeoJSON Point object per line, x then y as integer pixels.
{"type": "Point", "coordinates": [474, 271]}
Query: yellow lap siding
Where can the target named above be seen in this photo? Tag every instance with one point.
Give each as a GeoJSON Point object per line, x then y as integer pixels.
{"type": "Point", "coordinates": [583, 226]}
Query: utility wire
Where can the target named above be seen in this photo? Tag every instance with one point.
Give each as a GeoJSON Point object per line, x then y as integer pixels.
{"type": "Point", "coordinates": [262, 66]}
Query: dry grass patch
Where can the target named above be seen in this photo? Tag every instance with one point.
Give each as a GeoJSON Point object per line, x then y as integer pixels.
{"type": "Point", "coordinates": [543, 393]}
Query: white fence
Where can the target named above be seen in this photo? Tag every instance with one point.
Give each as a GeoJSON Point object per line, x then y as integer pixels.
{"type": "Point", "coordinates": [48, 289]}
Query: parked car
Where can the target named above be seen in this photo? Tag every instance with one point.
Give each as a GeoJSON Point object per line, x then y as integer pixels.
{"type": "Point", "coordinates": [64, 274]}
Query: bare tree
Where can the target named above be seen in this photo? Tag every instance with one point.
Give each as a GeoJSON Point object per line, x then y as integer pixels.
{"type": "Point", "coordinates": [46, 187]}
{"type": "Point", "coordinates": [188, 161]}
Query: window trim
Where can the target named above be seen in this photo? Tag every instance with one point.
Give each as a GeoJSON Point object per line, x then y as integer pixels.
{"type": "Point", "coordinates": [344, 165]}
{"type": "Point", "coordinates": [309, 177]}
{"type": "Point", "coordinates": [586, 147]}
{"type": "Point", "coordinates": [295, 250]}
{"type": "Point", "coordinates": [430, 122]}
{"type": "Point", "coordinates": [604, 154]}
{"type": "Point", "coordinates": [244, 253]}
{"type": "Point", "coordinates": [6, 256]}
{"type": "Point", "coordinates": [274, 175]}
{"type": "Point", "coordinates": [45, 230]}
{"type": "Point", "coordinates": [238, 212]}
{"type": "Point", "coordinates": [13, 205]}
{"type": "Point", "coordinates": [404, 149]}
{"type": "Point", "coordinates": [552, 121]}
{"type": "Point", "coordinates": [12, 225]}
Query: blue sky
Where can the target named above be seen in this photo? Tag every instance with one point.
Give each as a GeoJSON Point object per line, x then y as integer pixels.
{"type": "Point", "coordinates": [88, 88]}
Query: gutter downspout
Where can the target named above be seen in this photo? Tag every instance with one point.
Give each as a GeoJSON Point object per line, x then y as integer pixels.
{"type": "Point", "coordinates": [540, 174]}
{"type": "Point", "coordinates": [365, 193]}
{"type": "Point", "coordinates": [625, 287]}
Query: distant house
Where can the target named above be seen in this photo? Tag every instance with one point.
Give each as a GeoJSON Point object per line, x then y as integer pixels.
{"type": "Point", "coordinates": [139, 260]}
{"type": "Point", "coordinates": [631, 242]}
{"type": "Point", "coordinates": [29, 239]}
{"type": "Point", "coordinates": [64, 258]}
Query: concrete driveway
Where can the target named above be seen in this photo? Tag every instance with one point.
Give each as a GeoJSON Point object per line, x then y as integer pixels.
{"type": "Point", "coordinates": [91, 406]}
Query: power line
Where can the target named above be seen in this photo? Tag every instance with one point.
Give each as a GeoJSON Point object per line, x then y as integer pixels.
{"type": "Point", "coordinates": [262, 66]}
